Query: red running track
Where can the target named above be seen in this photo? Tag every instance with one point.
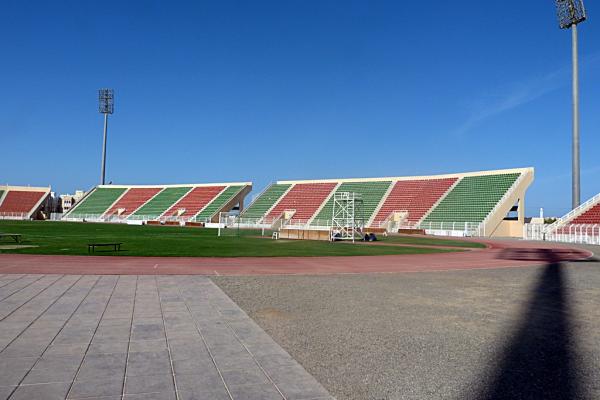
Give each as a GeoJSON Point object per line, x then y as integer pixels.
{"type": "Point", "coordinates": [499, 254]}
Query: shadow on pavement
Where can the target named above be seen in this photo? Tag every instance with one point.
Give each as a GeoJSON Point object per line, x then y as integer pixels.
{"type": "Point", "coordinates": [547, 255]}
{"type": "Point", "coordinates": [539, 359]}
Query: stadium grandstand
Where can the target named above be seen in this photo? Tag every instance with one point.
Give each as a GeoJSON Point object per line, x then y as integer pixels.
{"type": "Point", "coordinates": [191, 203]}
{"type": "Point", "coordinates": [23, 202]}
{"type": "Point", "coordinates": [464, 203]}
{"type": "Point", "coordinates": [581, 225]}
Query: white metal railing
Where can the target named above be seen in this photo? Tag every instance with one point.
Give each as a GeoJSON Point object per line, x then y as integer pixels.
{"type": "Point", "coordinates": [571, 233]}
{"type": "Point", "coordinates": [393, 226]}
{"type": "Point", "coordinates": [120, 219]}
{"type": "Point", "coordinates": [13, 215]}
{"type": "Point", "coordinates": [571, 214]}
{"type": "Point", "coordinates": [308, 224]}
{"type": "Point", "coordinates": [56, 216]}
{"type": "Point", "coordinates": [462, 229]}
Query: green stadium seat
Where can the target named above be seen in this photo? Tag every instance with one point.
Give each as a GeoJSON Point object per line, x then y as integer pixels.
{"type": "Point", "coordinates": [218, 203]}
{"type": "Point", "coordinates": [265, 201]}
{"type": "Point", "coordinates": [162, 202]}
{"type": "Point", "coordinates": [372, 192]}
{"type": "Point", "coordinates": [472, 199]}
{"type": "Point", "coordinates": [97, 202]}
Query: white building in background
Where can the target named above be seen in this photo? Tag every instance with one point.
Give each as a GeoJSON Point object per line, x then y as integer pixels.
{"type": "Point", "coordinates": [69, 200]}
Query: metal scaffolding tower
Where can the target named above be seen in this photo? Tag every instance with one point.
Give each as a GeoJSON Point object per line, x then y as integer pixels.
{"type": "Point", "coordinates": [347, 220]}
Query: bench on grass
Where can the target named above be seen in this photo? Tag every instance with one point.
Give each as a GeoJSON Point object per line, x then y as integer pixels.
{"type": "Point", "coordinates": [16, 236]}
{"type": "Point", "coordinates": [92, 246]}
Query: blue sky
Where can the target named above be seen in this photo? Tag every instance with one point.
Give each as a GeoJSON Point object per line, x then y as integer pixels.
{"type": "Point", "coordinates": [267, 90]}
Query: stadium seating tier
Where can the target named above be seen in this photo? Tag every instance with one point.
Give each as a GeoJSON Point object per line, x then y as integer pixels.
{"type": "Point", "coordinates": [472, 199]}
{"type": "Point", "coordinates": [214, 206]}
{"type": "Point", "coordinates": [265, 201]}
{"type": "Point", "coordinates": [194, 201]}
{"type": "Point", "coordinates": [414, 196]}
{"type": "Point", "coordinates": [161, 202]}
{"type": "Point", "coordinates": [590, 216]}
{"type": "Point", "coordinates": [371, 192]}
{"type": "Point", "coordinates": [305, 198]}
{"type": "Point", "coordinates": [97, 202]}
{"type": "Point", "coordinates": [132, 200]}
{"type": "Point", "coordinates": [17, 201]}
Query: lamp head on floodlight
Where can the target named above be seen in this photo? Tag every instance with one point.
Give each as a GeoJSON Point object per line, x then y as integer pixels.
{"type": "Point", "coordinates": [106, 99]}
{"type": "Point", "coordinates": [570, 12]}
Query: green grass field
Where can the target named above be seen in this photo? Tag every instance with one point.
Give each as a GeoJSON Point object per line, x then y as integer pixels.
{"type": "Point", "coordinates": [71, 238]}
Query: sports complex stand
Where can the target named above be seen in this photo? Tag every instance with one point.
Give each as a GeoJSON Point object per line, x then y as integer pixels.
{"type": "Point", "coordinates": [581, 225]}
{"type": "Point", "coordinates": [22, 202]}
{"type": "Point", "coordinates": [188, 203]}
{"type": "Point", "coordinates": [475, 201]}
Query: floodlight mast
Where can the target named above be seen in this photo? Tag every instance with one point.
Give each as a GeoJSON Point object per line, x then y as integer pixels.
{"type": "Point", "coordinates": [570, 13]}
{"type": "Point", "coordinates": [106, 105]}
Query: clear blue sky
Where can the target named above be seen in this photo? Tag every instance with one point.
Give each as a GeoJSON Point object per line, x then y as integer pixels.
{"type": "Point", "coordinates": [267, 90]}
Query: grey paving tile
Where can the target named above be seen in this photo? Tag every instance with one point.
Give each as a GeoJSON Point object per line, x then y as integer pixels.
{"type": "Point", "coordinates": [12, 377]}
{"type": "Point", "coordinates": [36, 376]}
{"type": "Point", "coordinates": [192, 365]}
{"type": "Point", "coordinates": [210, 395]}
{"type": "Point", "coordinates": [98, 366]}
{"type": "Point", "coordinates": [288, 373]}
{"type": "Point", "coordinates": [213, 319]}
{"type": "Point", "coordinates": [152, 396]}
{"type": "Point", "coordinates": [16, 364]}
{"type": "Point", "coordinates": [96, 387]}
{"type": "Point", "coordinates": [275, 361]}
{"type": "Point", "coordinates": [245, 376]}
{"type": "Point", "coordinates": [110, 337]}
{"type": "Point", "coordinates": [185, 351]}
{"type": "Point", "coordinates": [147, 345]}
{"type": "Point", "coordinates": [65, 362]}
{"type": "Point", "coordinates": [219, 337]}
{"type": "Point", "coordinates": [114, 322]}
{"type": "Point", "coordinates": [190, 332]}
{"type": "Point", "coordinates": [234, 361]}
{"type": "Point", "coordinates": [148, 331]}
{"type": "Point", "coordinates": [20, 348]}
{"type": "Point", "coordinates": [255, 392]}
{"type": "Point", "coordinates": [66, 349]}
{"type": "Point", "coordinates": [207, 381]}
{"type": "Point", "coordinates": [149, 384]}
{"type": "Point", "coordinates": [120, 329]}
{"type": "Point", "coordinates": [148, 363]}
{"type": "Point", "coordinates": [78, 335]}
{"type": "Point", "coordinates": [5, 391]}
{"type": "Point", "coordinates": [108, 347]}
{"type": "Point", "coordinates": [48, 391]}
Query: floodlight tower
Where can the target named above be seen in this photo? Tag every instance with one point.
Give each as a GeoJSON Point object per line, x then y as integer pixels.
{"type": "Point", "coordinates": [106, 105]}
{"type": "Point", "coordinates": [570, 13]}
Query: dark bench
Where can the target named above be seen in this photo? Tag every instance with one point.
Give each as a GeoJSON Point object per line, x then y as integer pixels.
{"type": "Point", "coordinates": [92, 246]}
{"type": "Point", "coordinates": [15, 236]}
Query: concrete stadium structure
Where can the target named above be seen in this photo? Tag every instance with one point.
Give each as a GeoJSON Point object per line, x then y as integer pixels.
{"type": "Point", "coordinates": [474, 202]}
{"type": "Point", "coordinates": [22, 202]}
{"type": "Point", "coordinates": [165, 203]}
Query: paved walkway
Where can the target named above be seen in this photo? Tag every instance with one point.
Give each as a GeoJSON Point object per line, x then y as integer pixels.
{"type": "Point", "coordinates": [137, 337]}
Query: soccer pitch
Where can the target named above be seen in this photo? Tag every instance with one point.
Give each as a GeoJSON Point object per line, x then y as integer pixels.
{"type": "Point", "coordinates": [68, 238]}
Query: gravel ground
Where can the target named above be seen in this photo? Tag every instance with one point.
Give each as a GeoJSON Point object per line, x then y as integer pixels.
{"type": "Point", "coordinates": [527, 333]}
